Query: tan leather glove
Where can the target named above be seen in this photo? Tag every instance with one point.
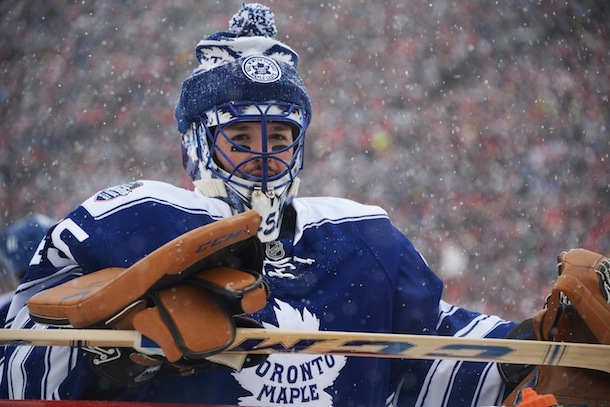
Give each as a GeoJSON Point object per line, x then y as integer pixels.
{"type": "Point", "coordinates": [578, 310]}
{"type": "Point", "coordinates": [186, 296]}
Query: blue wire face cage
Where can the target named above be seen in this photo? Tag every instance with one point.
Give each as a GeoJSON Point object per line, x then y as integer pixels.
{"type": "Point", "coordinates": [211, 127]}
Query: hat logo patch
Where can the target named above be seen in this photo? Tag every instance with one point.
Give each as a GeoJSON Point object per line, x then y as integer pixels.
{"type": "Point", "coordinates": [259, 68]}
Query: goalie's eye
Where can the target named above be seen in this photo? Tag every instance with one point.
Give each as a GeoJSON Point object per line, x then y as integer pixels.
{"type": "Point", "coordinates": [279, 147]}
{"type": "Point", "coordinates": [247, 137]}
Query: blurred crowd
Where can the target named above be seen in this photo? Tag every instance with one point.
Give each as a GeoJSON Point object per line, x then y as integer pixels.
{"type": "Point", "coordinates": [482, 127]}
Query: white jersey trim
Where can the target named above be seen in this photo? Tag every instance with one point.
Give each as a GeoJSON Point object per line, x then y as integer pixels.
{"type": "Point", "coordinates": [440, 379]}
{"type": "Point", "coordinates": [314, 212]}
{"type": "Point", "coordinates": [162, 193]}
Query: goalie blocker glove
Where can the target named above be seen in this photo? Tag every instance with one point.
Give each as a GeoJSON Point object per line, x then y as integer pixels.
{"type": "Point", "coordinates": [191, 311]}
{"type": "Point", "coordinates": [577, 310]}
{"type": "Point", "coordinates": [126, 367]}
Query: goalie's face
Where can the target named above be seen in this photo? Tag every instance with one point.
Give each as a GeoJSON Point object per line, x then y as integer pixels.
{"type": "Point", "coordinates": [252, 146]}
{"type": "Point", "coordinates": [256, 150]}
{"type": "Point", "coordinates": [253, 150]}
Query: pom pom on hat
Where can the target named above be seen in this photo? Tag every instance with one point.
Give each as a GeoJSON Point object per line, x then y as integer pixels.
{"type": "Point", "coordinates": [252, 31]}
{"type": "Point", "coordinates": [220, 76]}
{"type": "Point", "coordinates": [253, 20]}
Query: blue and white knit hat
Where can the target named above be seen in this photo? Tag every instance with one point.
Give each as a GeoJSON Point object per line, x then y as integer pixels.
{"type": "Point", "coordinates": [245, 63]}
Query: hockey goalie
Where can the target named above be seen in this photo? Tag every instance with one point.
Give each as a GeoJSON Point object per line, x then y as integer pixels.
{"type": "Point", "coordinates": [239, 248]}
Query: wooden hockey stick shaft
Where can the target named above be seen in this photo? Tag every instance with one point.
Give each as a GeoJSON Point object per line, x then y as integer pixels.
{"type": "Point", "coordinates": [361, 344]}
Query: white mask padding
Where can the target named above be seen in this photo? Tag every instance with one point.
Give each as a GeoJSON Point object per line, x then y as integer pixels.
{"type": "Point", "coordinates": [219, 117]}
{"type": "Point", "coordinates": [270, 205]}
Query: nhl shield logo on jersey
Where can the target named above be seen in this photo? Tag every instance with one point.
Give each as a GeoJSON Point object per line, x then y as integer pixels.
{"type": "Point", "coordinates": [262, 69]}
{"type": "Point", "coordinates": [119, 190]}
{"type": "Point", "coordinates": [274, 250]}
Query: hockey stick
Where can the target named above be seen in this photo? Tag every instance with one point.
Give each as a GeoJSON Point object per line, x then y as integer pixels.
{"type": "Point", "coordinates": [378, 345]}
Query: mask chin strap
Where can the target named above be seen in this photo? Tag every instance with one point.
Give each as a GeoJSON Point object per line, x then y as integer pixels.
{"type": "Point", "coordinates": [269, 205]}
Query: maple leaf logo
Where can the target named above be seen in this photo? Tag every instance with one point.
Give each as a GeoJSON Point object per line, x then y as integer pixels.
{"type": "Point", "coordinates": [291, 379]}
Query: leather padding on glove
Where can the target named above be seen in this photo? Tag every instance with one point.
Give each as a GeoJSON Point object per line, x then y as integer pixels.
{"type": "Point", "coordinates": [584, 280]}
{"type": "Point", "coordinates": [186, 321]}
{"type": "Point", "coordinates": [243, 291]}
{"type": "Point", "coordinates": [578, 310]}
{"type": "Point", "coordinates": [196, 321]}
{"type": "Point", "coordinates": [98, 299]}
{"type": "Point", "coordinates": [185, 296]}
{"type": "Point", "coordinates": [187, 367]}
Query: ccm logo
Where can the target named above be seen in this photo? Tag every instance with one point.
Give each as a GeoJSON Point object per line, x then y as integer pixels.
{"type": "Point", "coordinates": [220, 240]}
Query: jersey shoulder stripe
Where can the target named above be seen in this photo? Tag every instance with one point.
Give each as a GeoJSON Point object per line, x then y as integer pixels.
{"type": "Point", "coordinates": [316, 211]}
{"type": "Point", "coordinates": [115, 199]}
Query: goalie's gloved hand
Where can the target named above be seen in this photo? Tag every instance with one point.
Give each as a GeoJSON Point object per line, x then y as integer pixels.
{"type": "Point", "coordinates": [191, 324]}
{"type": "Point", "coordinates": [122, 367]}
{"type": "Point", "coordinates": [186, 367]}
{"type": "Point", "coordinates": [126, 367]}
{"type": "Point", "coordinates": [513, 373]}
{"type": "Point", "coordinates": [577, 310]}
{"type": "Point", "coordinates": [584, 285]}
{"type": "Point", "coordinates": [183, 296]}
{"type": "Point", "coordinates": [196, 320]}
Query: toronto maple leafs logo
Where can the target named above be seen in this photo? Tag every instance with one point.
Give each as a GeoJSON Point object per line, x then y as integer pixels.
{"type": "Point", "coordinates": [262, 69]}
{"type": "Point", "coordinates": [291, 379]}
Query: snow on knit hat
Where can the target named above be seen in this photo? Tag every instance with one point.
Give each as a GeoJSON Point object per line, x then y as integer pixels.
{"type": "Point", "coordinates": [245, 63]}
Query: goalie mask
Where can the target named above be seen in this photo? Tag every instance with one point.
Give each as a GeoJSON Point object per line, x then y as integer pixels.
{"type": "Point", "coordinates": [245, 78]}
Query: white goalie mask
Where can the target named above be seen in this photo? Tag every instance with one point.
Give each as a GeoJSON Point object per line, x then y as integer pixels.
{"type": "Point", "coordinates": [267, 192]}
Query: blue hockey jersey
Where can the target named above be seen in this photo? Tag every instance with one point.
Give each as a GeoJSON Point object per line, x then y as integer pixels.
{"type": "Point", "coordinates": [338, 265]}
